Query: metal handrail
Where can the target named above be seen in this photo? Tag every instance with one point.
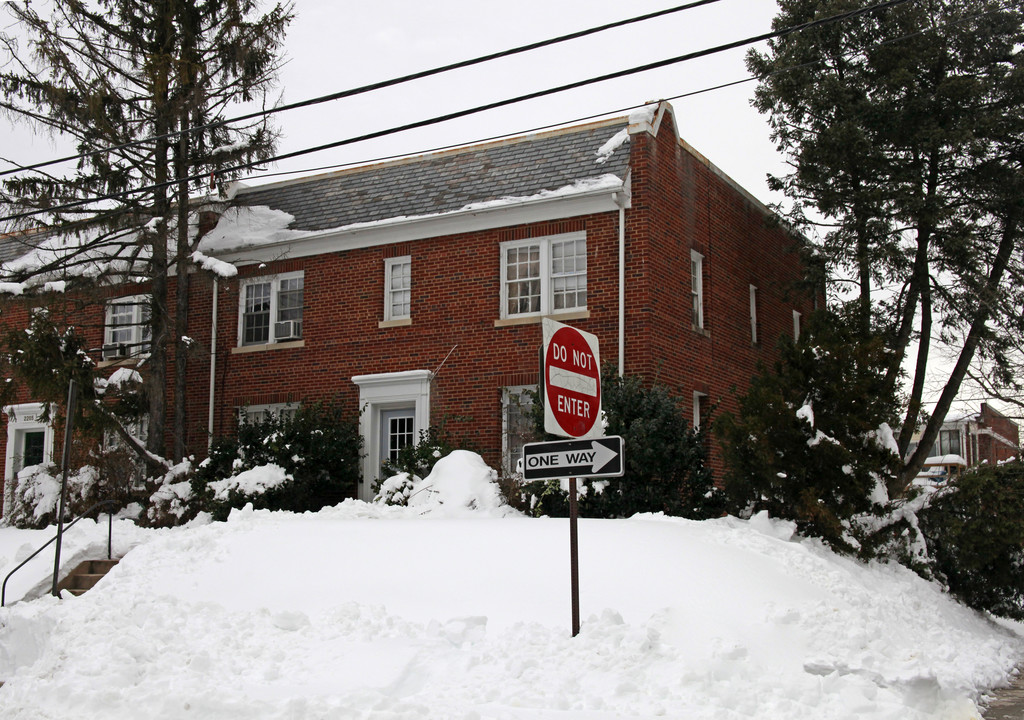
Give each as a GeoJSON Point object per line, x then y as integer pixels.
{"type": "Point", "coordinates": [110, 532]}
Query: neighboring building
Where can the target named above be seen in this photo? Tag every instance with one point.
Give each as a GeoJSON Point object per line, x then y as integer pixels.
{"type": "Point", "coordinates": [413, 290]}
{"type": "Point", "coordinates": [987, 436]}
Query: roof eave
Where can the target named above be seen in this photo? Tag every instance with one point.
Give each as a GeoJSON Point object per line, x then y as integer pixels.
{"type": "Point", "coordinates": [405, 229]}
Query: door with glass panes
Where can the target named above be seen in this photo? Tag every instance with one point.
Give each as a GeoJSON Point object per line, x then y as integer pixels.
{"type": "Point", "coordinates": [397, 430]}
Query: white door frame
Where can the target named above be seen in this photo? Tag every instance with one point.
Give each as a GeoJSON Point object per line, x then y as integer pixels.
{"type": "Point", "coordinates": [22, 419]}
{"type": "Point", "coordinates": [384, 391]}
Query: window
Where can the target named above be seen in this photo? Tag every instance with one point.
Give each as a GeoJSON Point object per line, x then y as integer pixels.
{"type": "Point", "coordinates": [697, 289]}
{"type": "Point", "coordinates": [753, 315]}
{"type": "Point", "coordinates": [699, 408]}
{"type": "Point", "coordinates": [254, 414]}
{"type": "Point", "coordinates": [397, 288]}
{"type": "Point", "coordinates": [544, 275]}
{"type": "Point", "coordinates": [127, 331]}
{"type": "Point", "coordinates": [796, 325]}
{"type": "Point", "coordinates": [271, 310]}
{"type": "Point", "coordinates": [948, 443]}
{"type": "Point", "coordinates": [516, 425]}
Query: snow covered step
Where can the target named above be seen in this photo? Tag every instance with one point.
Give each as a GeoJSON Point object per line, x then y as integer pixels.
{"type": "Point", "coordinates": [85, 576]}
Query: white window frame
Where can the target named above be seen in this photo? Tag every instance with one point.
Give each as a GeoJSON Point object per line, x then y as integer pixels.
{"type": "Point", "coordinates": [275, 291]}
{"type": "Point", "coordinates": [698, 406]}
{"type": "Point", "coordinates": [391, 267]}
{"type": "Point", "coordinates": [511, 449]}
{"type": "Point", "coordinates": [696, 290]}
{"type": "Point", "coordinates": [753, 315]}
{"type": "Point", "coordinates": [140, 332]}
{"type": "Point", "coordinates": [248, 414]}
{"type": "Point", "coordinates": [796, 325]}
{"type": "Point", "coordinates": [22, 419]}
{"type": "Point", "coordinates": [547, 275]}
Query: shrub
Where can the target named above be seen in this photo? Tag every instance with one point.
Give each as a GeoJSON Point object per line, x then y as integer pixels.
{"type": "Point", "coordinates": [318, 450]}
{"type": "Point", "coordinates": [975, 534]}
{"type": "Point", "coordinates": [666, 468]}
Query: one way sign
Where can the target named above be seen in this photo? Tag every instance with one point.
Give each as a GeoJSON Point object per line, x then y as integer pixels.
{"type": "Point", "coordinates": [594, 457]}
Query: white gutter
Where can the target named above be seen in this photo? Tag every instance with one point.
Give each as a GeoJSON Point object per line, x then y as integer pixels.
{"type": "Point", "coordinates": [213, 368]}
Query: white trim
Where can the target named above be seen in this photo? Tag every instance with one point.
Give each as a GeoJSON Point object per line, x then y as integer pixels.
{"type": "Point", "coordinates": [383, 391]}
{"type": "Point", "coordinates": [398, 230]}
{"type": "Point", "coordinates": [23, 418]}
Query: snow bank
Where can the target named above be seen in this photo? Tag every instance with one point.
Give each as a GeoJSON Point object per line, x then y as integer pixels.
{"type": "Point", "coordinates": [366, 610]}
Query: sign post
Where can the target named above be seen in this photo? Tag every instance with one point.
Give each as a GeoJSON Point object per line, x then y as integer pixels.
{"type": "Point", "coordinates": [572, 408]}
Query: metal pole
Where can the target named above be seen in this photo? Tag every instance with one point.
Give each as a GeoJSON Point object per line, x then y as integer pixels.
{"type": "Point", "coordinates": [574, 560]}
{"type": "Point", "coordinates": [72, 386]}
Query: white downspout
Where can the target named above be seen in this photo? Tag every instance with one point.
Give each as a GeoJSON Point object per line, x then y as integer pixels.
{"type": "Point", "coordinates": [213, 368]}
{"type": "Point", "coordinates": [622, 284]}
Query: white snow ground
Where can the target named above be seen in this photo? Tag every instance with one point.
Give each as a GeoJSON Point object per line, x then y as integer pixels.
{"type": "Point", "coordinates": [438, 611]}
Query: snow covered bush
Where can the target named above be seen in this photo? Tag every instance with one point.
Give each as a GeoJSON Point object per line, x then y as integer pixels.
{"type": "Point", "coordinates": [811, 442]}
{"type": "Point", "coordinates": [317, 452]}
{"type": "Point", "coordinates": [459, 482]}
{"type": "Point", "coordinates": [396, 489]}
{"type": "Point", "coordinates": [666, 460]}
{"type": "Point", "coordinates": [37, 495]}
{"type": "Point", "coordinates": [975, 533]}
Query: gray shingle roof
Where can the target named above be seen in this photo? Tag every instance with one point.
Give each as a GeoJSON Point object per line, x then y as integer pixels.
{"type": "Point", "coordinates": [446, 181]}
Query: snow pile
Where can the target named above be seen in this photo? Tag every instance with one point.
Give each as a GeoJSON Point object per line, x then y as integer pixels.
{"type": "Point", "coordinates": [242, 227]}
{"type": "Point", "coordinates": [218, 267]}
{"type": "Point", "coordinates": [460, 482]}
{"type": "Point", "coordinates": [614, 143]}
{"type": "Point", "coordinates": [366, 610]}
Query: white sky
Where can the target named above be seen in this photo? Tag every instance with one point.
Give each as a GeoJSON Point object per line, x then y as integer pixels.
{"type": "Point", "coordinates": [334, 46]}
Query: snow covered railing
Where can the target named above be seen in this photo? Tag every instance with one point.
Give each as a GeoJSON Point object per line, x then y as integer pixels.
{"type": "Point", "coordinates": [110, 532]}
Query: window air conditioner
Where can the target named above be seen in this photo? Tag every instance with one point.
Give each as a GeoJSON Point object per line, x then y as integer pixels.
{"type": "Point", "coordinates": [115, 351]}
{"type": "Point", "coordinates": [288, 330]}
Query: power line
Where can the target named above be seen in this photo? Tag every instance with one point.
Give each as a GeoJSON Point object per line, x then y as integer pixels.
{"type": "Point", "coordinates": [475, 110]}
{"type": "Point", "coordinates": [363, 89]}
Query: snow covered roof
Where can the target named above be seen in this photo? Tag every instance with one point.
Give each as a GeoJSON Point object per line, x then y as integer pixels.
{"type": "Point", "coordinates": [449, 181]}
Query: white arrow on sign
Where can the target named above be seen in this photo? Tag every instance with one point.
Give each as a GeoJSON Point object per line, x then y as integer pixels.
{"type": "Point", "coordinates": [596, 457]}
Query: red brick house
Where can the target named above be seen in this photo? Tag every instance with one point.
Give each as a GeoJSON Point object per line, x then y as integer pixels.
{"type": "Point", "coordinates": [414, 289]}
{"type": "Point", "coordinates": [984, 437]}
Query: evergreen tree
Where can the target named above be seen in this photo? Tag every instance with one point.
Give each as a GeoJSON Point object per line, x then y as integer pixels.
{"type": "Point", "coordinates": [905, 131]}
{"type": "Point", "coordinates": [142, 88]}
{"type": "Point", "coordinates": [812, 441]}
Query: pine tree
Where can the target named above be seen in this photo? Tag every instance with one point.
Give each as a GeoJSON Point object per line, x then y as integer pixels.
{"type": "Point", "coordinates": [812, 441]}
{"type": "Point", "coordinates": [905, 131]}
{"type": "Point", "coordinates": [142, 87]}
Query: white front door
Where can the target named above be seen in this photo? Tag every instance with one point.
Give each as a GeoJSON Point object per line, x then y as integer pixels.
{"type": "Point", "coordinates": [397, 430]}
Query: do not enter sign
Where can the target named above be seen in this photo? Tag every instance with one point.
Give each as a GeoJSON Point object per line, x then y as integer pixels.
{"type": "Point", "coordinates": [572, 381]}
